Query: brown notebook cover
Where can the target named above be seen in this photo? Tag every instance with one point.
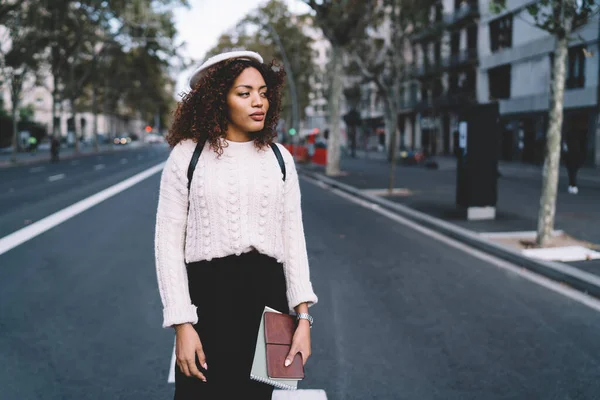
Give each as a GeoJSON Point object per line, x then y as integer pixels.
{"type": "Point", "coordinates": [279, 331]}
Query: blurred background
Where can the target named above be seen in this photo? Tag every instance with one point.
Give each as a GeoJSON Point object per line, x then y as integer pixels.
{"type": "Point", "coordinates": [449, 155]}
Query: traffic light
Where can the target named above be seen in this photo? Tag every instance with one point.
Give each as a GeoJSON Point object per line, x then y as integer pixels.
{"type": "Point", "coordinates": [292, 131]}
{"type": "Point", "coordinates": [148, 128]}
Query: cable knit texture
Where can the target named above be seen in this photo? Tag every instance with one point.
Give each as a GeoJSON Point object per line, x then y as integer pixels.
{"type": "Point", "coordinates": [238, 202]}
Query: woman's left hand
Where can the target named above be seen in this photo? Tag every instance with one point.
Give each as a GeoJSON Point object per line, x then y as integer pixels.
{"type": "Point", "coordinates": [300, 343]}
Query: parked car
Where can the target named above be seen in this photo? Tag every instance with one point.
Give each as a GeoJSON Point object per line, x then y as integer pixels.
{"type": "Point", "coordinates": [154, 138]}
{"type": "Point", "coordinates": [122, 140]}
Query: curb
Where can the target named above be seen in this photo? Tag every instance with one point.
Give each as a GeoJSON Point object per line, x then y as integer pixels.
{"type": "Point", "coordinates": [564, 273]}
{"type": "Point", "coordinates": [71, 156]}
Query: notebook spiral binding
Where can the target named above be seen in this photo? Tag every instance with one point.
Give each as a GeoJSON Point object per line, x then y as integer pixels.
{"type": "Point", "coordinates": [278, 385]}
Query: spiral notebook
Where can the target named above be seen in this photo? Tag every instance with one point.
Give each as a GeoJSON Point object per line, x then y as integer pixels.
{"type": "Point", "coordinates": [259, 370]}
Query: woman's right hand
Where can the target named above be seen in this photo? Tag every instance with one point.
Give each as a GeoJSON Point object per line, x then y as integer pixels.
{"type": "Point", "coordinates": [187, 346]}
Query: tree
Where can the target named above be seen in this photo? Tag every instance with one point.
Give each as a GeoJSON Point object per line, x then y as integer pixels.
{"type": "Point", "coordinates": [560, 18]}
{"type": "Point", "coordinates": [20, 54]}
{"type": "Point", "coordinates": [380, 58]}
{"type": "Point", "coordinates": [342, 22]}
{"type": "Point", "coordinates": [86, 35]}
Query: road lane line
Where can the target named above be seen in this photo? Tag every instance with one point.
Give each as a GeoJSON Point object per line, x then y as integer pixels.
{"type": "Point", "coordinates": [99, 167]}
{"type": "Point", "coordinates": [29, 232]}
{"type": "Point", "coordinates": [55, 178]}
{"type": "Point", "coordinates": [37, 169]}
{"type": "Point", "coordinates": [171, 378]}
{"type": "Point", "coordinates": [557, 287]}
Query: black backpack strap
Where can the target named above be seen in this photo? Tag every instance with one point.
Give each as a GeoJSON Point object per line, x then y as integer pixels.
{"type": "Point", "coordinates": [279, 158]}
{"type": "Point", "coordinates": [193, 162]}
{"type": "Point", "coordinates": [200, 147]}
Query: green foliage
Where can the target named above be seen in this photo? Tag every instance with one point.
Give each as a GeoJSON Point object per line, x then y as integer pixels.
{"type": "Point", "coordinates": [26, 113]}
{"type": "Point", "coordinates": [497, 6]}
{"type": "Point", "coordinates": [122, 51]}
{"type": "Point", "coordinates": [342, 22]}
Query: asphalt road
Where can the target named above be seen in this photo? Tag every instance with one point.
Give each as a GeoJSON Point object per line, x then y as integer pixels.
{"type": "Point", "coordinates": [401, 315]}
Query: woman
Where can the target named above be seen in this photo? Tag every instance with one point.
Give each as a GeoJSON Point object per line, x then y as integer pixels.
{"type": "Point", "coordinates": [238, 243]}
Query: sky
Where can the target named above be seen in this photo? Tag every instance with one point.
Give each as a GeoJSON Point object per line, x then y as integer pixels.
{"type": "Point", "coordinates": [201, 25]}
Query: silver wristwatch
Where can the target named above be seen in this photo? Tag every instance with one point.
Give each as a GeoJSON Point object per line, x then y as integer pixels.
{"type": "Point", "coordinates": [306, 317]}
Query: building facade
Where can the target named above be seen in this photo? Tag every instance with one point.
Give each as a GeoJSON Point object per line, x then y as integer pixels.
{"type": "Point", "coordinates": [317, 112]}
{"type": "Point", "coordinates": [445, 65]}
{"type": "Point", "coordinates": [515, 70]}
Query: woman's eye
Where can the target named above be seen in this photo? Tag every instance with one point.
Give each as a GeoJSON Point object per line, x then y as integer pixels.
{"type": "Point", "coordinates": [264, 94]}
{"type": "Point", "coordinates": [244, 94]}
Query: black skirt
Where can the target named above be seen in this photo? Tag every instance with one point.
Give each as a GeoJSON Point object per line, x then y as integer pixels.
{"type": "Point", "coordinates": [231, 294]}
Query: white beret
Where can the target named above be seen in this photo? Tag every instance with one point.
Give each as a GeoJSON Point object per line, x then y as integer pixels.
{"type": "Point", "coordinates": [243, 54]}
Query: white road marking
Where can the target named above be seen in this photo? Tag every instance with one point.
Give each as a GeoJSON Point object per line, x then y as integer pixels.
{"type": "Point", "coordinates": [37, 169]}
{"type": "Point", "coordinates": [300, 394]}
{"type": "Point", "coordinates": [29, 232]}
{"type": "Point", "coordinates": [171, 378]}
{"type": "Point", "coordinates": [124, 161]}
{"type": "Point", "coordinates": [524, 273]}
{"type": "Point", "coordinates": [55, 178]}
{"type": "Point", "coordinates": [99, 167]}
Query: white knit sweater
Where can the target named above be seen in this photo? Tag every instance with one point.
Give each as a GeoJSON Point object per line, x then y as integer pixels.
{"type": "Point", "coordinates": [238, 202]}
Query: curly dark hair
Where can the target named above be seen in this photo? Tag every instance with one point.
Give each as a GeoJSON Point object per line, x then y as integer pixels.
{"type": "Point", "coordinates": [202, 114]}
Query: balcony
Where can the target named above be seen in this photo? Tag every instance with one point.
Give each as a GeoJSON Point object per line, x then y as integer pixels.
{"type": "Point", "coordinates": [462, 58]}
{"type": "Point", "coordinates": [408, 104]}
{"type": "Point", "coordinates": [432, 29]}
{"type": "Point", "coordinates": [465, 13]}
{"type": "Point", "coordinates": [430, 69]}
{"type": "Point", "coordinates": [454, 99]}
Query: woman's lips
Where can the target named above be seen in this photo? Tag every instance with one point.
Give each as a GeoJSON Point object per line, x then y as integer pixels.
{"type": "Point", "coordinates": [258, 117]}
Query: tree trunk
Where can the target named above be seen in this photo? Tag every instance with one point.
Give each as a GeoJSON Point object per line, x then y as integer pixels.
{"type": "Point", "coordinates": [391, 122]}
{"type": "Point", "coordinates": [74, 116]}
{"type": "Point", "coordinates": [15, 136]}
{"type": "Point", "coordinates": [55, 126]}
{"type": "Point", "coordinates": [552, 157]}
{"type": "Point", "coordinates": [335, 94]}
{"type": "Point", "coordinates": [16, 86]}
{"type": "Point", "coordinates": [95, 108]}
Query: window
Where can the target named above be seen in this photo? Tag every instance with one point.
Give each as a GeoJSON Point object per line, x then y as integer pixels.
{"type": "Point", "coordinates": [438, 88]}
{"type": "Point", "coordinates": [472, 36]}
{"type": "Point", "coordinates": [453, 83]}
{"type": "Point", "coordinates": [576, 67]}
{"type": "Point", "coordinates": [575, 73]}
{"type": "Point", "coordinates": [499, 82]}
{"type": "Point", "coordinates": [501, 33]}
{"type": "Point", "coordinates": [455, 42]}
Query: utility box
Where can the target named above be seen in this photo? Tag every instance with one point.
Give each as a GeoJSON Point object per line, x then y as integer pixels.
{"type": "Point", "coordinates": [477, 161]}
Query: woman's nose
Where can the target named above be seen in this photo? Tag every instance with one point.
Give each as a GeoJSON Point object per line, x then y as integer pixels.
{"type": "Point", "coordinates": [257, 101]}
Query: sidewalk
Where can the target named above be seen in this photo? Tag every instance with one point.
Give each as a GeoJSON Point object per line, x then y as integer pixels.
{"type": "Point", "coordinates": [513, 169]}
{"type": "Point", "coordinates": [433, 193]}
{"type": "Point", "coordinates": [43, 155]}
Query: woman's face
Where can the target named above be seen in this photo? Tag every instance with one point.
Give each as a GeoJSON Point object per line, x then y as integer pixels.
{"type": "Point", "coordinates": [247, 102]}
